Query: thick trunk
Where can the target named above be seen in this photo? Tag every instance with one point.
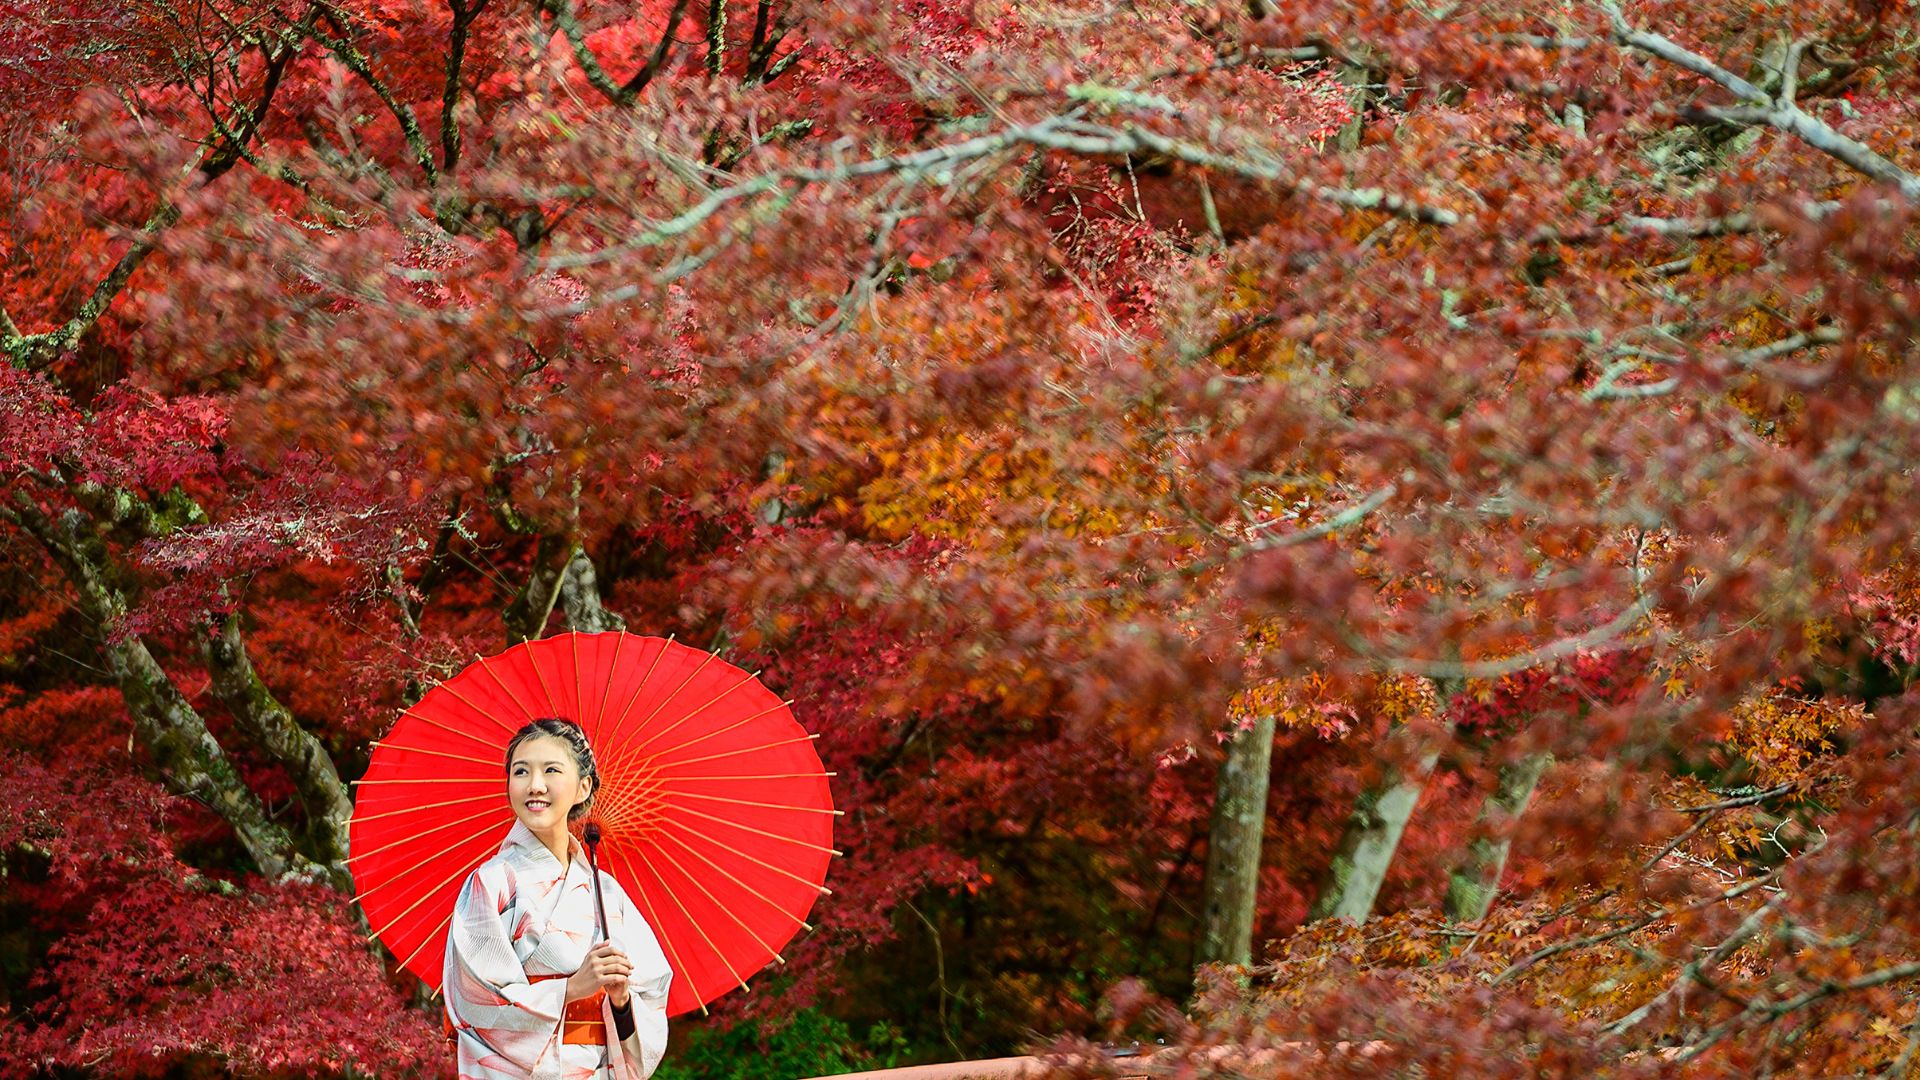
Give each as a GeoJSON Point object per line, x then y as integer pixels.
{"type": "Point", "coordinates": [1233, 847]}
{"type": "Point", "coordinates": [580, 597]}
{"type": "Point", "coordinates": [1474, 882]}
{"type": "Point", "coordinates": [1360, 83]}
{"type": "Point", "coordinates": [189, 759]}
{"type": "Point", "coordinates": [526, 617]}
{"type": "Point", "coordinates": [1380, 813]}
{"type": "Point", "coordinates": [272, 727]}
{"type": "Point", "coordinates": [562, 575]}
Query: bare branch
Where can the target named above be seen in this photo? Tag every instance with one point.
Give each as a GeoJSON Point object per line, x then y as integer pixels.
{"type": "Point", "coordinates": [568, 21]}
{"type": "Point", "coordinates": [1695, 972]}
{"type": "Point", "coordinates": [463, 17]}
{"type": "Point", "coordinates": [1722, 225]}
{"type": "Point", "coordinates": [1753, 798]}
{"type": "Point", "coordinates": [1762, 108]}
{"type": "Point", "coordinates": [1606, 388]}
{"type": "Point", "coordinates": [1556, 949]}
{"type": "Point", "coordinates": [716, 37]}
{"type": "Point", "coordinates": [1762, 1010]}
{"type": "Point", "coordinates": [1111, 142]}
{"type": "Point", "coordinates": [1604, 634]}
{"type": "Point", "coordinates": [357, 62]}
{"type": "Point", "coordinates": [661, 50]}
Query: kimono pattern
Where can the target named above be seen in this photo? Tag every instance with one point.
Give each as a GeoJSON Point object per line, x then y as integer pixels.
{"type": "Point", "coordinates": [522, 923]}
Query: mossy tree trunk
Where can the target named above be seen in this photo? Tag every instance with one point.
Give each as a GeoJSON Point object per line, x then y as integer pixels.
{"type": "Point", "coordinates": [1233, 847]}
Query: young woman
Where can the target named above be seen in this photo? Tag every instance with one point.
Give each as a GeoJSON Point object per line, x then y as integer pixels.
{"type": "Point", "coordinates": [532, 991]}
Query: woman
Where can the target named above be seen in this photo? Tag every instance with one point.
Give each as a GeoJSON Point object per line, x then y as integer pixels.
{"type": "Point", "coordinates": [532, 992]}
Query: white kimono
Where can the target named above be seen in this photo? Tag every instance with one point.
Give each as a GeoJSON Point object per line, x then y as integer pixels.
{"type": "Point", "coordinates": [521, 925]}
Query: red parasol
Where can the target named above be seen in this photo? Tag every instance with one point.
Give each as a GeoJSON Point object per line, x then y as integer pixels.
{"type": "Point", "coordinates": [713, 804]}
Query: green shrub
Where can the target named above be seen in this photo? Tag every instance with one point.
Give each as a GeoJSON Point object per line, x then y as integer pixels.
{"type": "Point", "coordinates": [808, 1043]}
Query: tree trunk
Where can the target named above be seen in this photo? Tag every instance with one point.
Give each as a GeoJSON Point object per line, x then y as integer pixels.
{"type": "Point", "coordinates": [526, 617]}
{"type": "Point", "coordinates": [1233, 847]}
{"type": "Point", "coordinates": [580, 597]}
{"type": "Point", "coordinates": [1360, 83]}
{"type": "Point", "coordinates": [189, 759]}
{"type": "Point", "coordinates": [1366, 849]}
{"type": "Point", "coordinates": [562, 574]}
{"type": "Point", "coordinates": [1474, 882]}
{"type": "Point", "coordinates": [272, 727]}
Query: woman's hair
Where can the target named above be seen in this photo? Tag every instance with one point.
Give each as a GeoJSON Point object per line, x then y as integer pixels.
{"type": "Point", "coordinates": [567, 732]}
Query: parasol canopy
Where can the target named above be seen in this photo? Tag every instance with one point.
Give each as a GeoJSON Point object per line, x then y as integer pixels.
{"type": "Point", "coordinates": [713, 805]}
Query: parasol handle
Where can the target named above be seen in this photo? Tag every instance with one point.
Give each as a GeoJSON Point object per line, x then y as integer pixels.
{"type": "Point", "coordinates": [591, 835]}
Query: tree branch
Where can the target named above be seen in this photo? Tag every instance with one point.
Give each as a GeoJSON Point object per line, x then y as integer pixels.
{"type": "Point", "coordinates": [34, 352]}
{"type": "Point", "coordinates": [1761, 1009]}
{"type": "Point", "coordinates": [1778, 112]}
{"type": "Point", "coordinates": [661, 50]}
{"type": "Point", "coordinates": [357, 62]}
{"type": "Point", "coordinates": [1493, 669]}
{"type": "Point", "coordinates": [568, 21]}
{"type": "Point", "coordinates": [716, 37]}
{"type": "Point", "coordinates": [188, 757]}
{"type": "Point", "coordinates": [463, 17]}
{"type": "Point", "coordinates": [1695, 972]}
{"type": "Point", "coordinates": [272, 727]}
{"type": "Point", "coordinates": [526, 618]}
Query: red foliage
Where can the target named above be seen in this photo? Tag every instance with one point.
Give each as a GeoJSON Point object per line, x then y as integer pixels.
{"type": "Point", "coordinates": [1036, 392]}
{"type": "Point", "coordinates": [158, 966]}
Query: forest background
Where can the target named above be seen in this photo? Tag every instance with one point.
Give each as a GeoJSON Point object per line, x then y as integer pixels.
{"type": "Point", "coordinates": [1375, 535]}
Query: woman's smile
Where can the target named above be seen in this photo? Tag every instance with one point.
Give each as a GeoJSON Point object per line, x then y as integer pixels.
{"type": "Point", "coordinates": [544, 785]}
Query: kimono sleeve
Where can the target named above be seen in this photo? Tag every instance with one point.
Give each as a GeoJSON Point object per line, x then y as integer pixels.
{"type": "Point", "coordinates": [489, 999]}
{"type": "Point", "coordinates": [650, 980]}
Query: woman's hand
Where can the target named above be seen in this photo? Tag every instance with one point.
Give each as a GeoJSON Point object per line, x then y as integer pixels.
{"type": "Point", "coordinates": [605, 968]}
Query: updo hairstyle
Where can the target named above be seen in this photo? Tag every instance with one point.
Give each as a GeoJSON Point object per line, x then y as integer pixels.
{"type": "Point", "coordinates": [567, 732]}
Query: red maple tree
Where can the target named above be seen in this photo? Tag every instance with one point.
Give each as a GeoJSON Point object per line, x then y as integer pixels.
{"type": "Point", "coordinates": [1207, 471]}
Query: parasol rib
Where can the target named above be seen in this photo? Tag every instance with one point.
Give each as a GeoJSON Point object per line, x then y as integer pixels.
{"type": "Point", "coordinates": [442, 753]}
{"type": "Point", "coordinates": [760, 832]}
{"type": "Point", "coordinates": [690, 714]}
{"type": "Point", "coordinates": [695, 923]}
{"type": "Point", "coordinates": [728, 910]}
{"type": "Point", "coordinates": [762, 863]}
{"type": "Point", "coordinates": [633, 737]}
{"type": "Point", "coordinates": [428, 940]}
{"type": "Point", "coordinates": [644, 680]}
{"type": "Point", "coordinates": [619, 753]}
{"type": "Point", "coordinates": [409, 839]}
{"type": "Point", "coordinates": [430, 894]}
{"type": "Point", "coordinates": [441, 854]}
{"type": "Point", "coordinates": [761, 776]}
{"type": "Point", "coordinates": [505, 689]}
{"type": "Point", "coordinates": [579, 701]}
{"type": "Point", "coordinates": [471, 704]}
{"type": "Point", "coordinates": [776, 707]}
{"type": "Point", "coordinates": [606, 689]}
{"type": "Point", "coordinates": [665, 939]}
{"type": "Point", "coordinates": [539, 676]}
{"type": "Point", "coordinates": [763, 805]}
{"type": "Point", "coordinates": [755, 893]}
{"type": "Point", "coordinates": [738, 753]}
{"type": "Point", "coordinates": [383, 781]}
{"type": "Point", "coordinates": [494, 795]}
{"type": "Point", "coordinates": [431, 722]}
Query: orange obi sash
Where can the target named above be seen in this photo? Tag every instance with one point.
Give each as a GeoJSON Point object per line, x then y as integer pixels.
{"type": "Point", "coordinates": [581, 1023]}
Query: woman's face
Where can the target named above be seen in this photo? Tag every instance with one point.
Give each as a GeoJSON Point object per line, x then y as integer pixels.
{"type": "Point", "coordinates": [544, 783]}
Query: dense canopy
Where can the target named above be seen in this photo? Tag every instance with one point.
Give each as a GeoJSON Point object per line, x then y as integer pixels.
{"type": "Point", "coordinates": [1372, 535]}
